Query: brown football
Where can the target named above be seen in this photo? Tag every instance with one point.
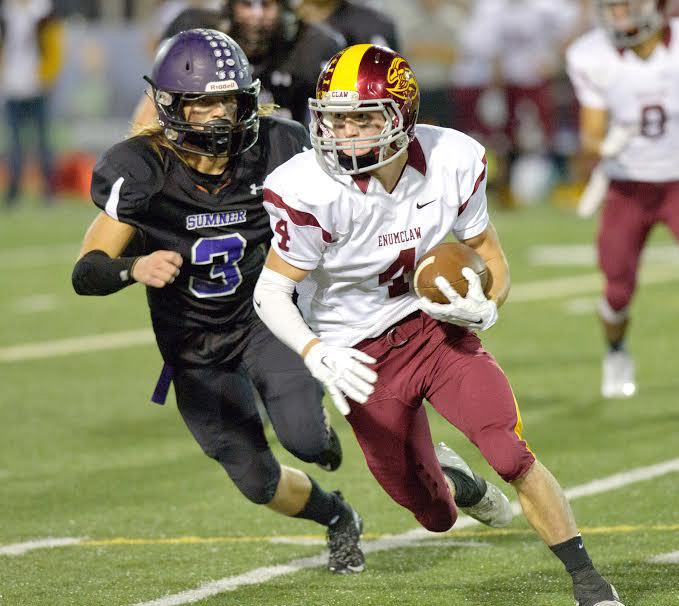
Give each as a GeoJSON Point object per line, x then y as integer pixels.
{"type": "Point", "coordinates": [447, 260]}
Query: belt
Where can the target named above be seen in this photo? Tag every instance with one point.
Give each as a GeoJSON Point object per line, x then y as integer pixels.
{"type": "Point", "coordinates": [398, 334]}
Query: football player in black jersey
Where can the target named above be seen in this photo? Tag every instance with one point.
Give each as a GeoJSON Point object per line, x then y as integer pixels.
{"type": "Point", "coordinates": [285, 53]}
{"type": "Point", "coordinates": [191, 188]}
{"type": "Point", "coordinates": [358, 24]}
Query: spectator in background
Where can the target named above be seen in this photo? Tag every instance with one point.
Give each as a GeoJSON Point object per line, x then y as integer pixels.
{"type": "Point", "coordinates": [31, 47]}
{"type": "Point", "coordinates": [429, 42]}
{"type": "Point", "coordinates": [358, 24]}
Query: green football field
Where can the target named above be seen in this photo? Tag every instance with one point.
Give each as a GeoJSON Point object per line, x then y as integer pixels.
{"type": "Point", "coordinates": [106, 500]}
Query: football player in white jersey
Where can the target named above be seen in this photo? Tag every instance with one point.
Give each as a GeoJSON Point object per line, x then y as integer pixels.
{"type": "Point", "coordinates": [626, 78]}
{"type": "Point", "coordinates": [351, 217]}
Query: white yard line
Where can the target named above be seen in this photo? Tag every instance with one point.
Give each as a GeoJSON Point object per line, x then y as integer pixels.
{"type": "Point", "coordinates": [666, 558]}
{"type": "Point", "coordinates": [21, 548]}
{"type": "Point", "coordinates": [38, 256]}
{"type": "Point", "coordinates": [557, 288]}
{"type": "Point", "coordinates": [76, 345]}
{"type": "Point", "coordinates": [406, 539]}
{"type": "Point", "coordinates": [585, 255]}
{"type": "Point", "coordinates": [521, 293]}
{"type": "Point", "coordinates": [35, 304]}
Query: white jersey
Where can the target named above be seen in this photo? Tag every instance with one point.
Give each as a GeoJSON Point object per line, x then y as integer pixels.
{"type": "Point", "coordinates": [360, 243]}
{"type": "Point", "coordinates": [640, 94]}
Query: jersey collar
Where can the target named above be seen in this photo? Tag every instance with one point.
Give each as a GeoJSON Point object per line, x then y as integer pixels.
{"type": "Point", "coordinates": [416, 159]}
{"type": "Point", "coordinates": [666, 40]}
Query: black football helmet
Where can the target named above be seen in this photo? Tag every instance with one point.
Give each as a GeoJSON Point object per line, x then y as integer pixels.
{"type": "Point", "coordinates": [264, 30]}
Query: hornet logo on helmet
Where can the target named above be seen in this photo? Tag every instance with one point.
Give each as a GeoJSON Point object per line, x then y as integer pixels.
{"type": "Point", "coordinates": [402, 79]}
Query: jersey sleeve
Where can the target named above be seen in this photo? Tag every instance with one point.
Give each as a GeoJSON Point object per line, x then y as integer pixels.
{"type": "Point", "coordinates": [472, 214]}
{"type": "Point", "coordinates": [299, 237]}
{"type": "Point", "coordinates": [124, 180]}
{"type": "Point", "coordinates": [578, 67]}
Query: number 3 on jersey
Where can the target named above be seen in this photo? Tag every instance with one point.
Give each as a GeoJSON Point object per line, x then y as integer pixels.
{"type": "Point", "coordinates": [226, 276]}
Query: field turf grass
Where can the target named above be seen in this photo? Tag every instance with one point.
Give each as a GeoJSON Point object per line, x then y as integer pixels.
{"type": "Point", "coordinates": [84, 454]}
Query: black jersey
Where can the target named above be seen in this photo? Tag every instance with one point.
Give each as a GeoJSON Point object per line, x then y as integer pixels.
{"type": "Point", "coordinates": [218, 225]}
{"type": "Point", "coordinates": [363, 25]}
{"type": "Point", "coordinates": [192, 18]}
{"type": "Point", "coordinates": [289, 71]}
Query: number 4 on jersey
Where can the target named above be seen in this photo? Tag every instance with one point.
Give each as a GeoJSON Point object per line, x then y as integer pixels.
{"type": "Point", "coordinates": [405, 263]}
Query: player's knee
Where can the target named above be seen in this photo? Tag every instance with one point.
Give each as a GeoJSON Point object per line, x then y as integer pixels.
{"type": "Point", "coordinates": [257, 478]}
{"type": "Point", "coordinates": [307, 448]}
{"type": "Point", "coordinates": [301, 432]}
{"type": "Point", "coordinates": [440, 519]}
{"type": "Point", "coordinates": [613, 308]}
{"type": "Point", "coordinates": [508, 456]}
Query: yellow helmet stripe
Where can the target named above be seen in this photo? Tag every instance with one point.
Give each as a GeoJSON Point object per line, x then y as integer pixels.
{"type": "Point", "coordinates": [345, 75]}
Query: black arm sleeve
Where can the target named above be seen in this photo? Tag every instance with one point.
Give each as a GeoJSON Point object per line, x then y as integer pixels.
{"type": "Point", "coordinates": [97, 274]}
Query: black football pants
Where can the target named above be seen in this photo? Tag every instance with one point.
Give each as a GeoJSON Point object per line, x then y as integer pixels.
{"type": "Point", "coordinates": [218, 406]}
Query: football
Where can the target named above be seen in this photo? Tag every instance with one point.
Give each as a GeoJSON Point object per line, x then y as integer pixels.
{"type": "Point", "coordinates": [447, 260]}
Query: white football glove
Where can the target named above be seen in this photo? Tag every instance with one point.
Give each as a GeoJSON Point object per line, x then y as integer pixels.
{"type": "Point", "coordinates": [617, 138]}
{"type": "Point", "coordinates": [343, 371]}
{"type": "Point", "coordinates": [473, 311]}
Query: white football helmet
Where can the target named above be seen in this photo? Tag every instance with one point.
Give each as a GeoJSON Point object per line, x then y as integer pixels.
{"type": "Point", "coordinates": [631, 22]}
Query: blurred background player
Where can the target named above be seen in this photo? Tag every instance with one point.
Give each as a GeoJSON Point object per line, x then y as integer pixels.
{"type": "Point", "coordinates": [531, 37]}
{"type": "Point", "coordinates": [285, 53]}
{"type": "Point", "coordinates": [356, 22]}
{"type": "Point", "coordinates": [30, 53]}
{"type": "Point", "coordinates": [431, 48]}
{"type": "Point", "coordinates": [188, 189]}
{"type": "Point", "coordinates": [623, 74]}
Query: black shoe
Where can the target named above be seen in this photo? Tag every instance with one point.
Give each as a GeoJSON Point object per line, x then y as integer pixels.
{"type": "Point", "coordinates": [344, 542]}
{"type": "Point", "coordinates": [591, 589]}
{"type": "Point", "coordinates": [331, 458]}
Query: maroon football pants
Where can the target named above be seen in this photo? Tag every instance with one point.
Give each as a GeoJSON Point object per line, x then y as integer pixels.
{"type": "Point", "coordinates": [421, 358]}
{"type": "Point", "coordinates": [630, 212]}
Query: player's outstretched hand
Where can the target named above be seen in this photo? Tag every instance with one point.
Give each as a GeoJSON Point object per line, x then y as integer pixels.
{"type": "Point", "coordinates": [343, 371]}
{"type": "Point", "coordinates": [474, 311]}
{"type": "Point", "coordinates": [157, 269]}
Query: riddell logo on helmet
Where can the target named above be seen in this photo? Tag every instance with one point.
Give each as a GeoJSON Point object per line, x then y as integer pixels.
{"type": "Point", "coordinates": [215, 87]}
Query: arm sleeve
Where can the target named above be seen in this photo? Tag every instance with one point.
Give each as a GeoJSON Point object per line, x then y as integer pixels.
{"type": "Point", "coordinates": [472, 215]}
{"type": "Point", "coordinates": [97, 274]}
{"type": "Point", "coordinates": [124, 180]}
{"type": "Point", "coordinates": [273, 303]}
{"type": "Point", "coordinates": [298, 236]}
